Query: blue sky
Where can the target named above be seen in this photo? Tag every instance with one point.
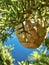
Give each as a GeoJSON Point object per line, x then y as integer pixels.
{"type": "Point", "coordinates": [19, 52]}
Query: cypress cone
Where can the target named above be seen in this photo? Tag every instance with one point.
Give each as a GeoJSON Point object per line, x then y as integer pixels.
{"type": "Point", "coordinates": [33, 34]}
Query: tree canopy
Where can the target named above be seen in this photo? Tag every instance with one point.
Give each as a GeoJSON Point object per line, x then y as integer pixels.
{"type": "Point", "coordinates": [16, 12]}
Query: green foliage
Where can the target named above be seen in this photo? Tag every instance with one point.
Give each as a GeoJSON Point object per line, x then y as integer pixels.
{"type": "Point", "coordinates": [41, 58]}
{"type": "Point", "coordinates": [24, 62]}
{"type": "Point", "coordinates": [14, 12]}
{"type": "Point", "coordinates": [47, 42]}
{"type": "Point", "coordinates": [5, 56]}
{"type": "Point", "coordinates": [37, 58]}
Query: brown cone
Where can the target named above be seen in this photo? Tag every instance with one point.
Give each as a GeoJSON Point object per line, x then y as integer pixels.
{"type": "Point", "coordinates": [34, 37]}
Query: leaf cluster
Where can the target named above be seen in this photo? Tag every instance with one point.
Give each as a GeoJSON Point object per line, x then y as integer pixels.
{"type": "Point", "coordinates": [5, 56]}
{"type": "Point", "coordinates": [37, 58]}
